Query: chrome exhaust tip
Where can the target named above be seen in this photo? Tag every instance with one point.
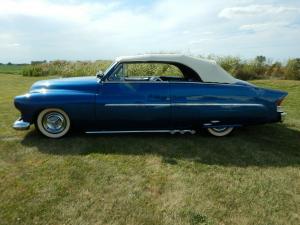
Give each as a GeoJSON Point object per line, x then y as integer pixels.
{"type": "Point", "coordinates": [182, 132]}
{"type": "Point", "coordinates": [174, 131]}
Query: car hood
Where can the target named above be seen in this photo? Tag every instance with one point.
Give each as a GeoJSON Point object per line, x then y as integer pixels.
{"type": "Point", "coordinates": [74, 83]}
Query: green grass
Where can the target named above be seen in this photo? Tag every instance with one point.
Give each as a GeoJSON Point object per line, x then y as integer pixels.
{"type": "Point", "coordinates": [250, 177]}
{"type": "Point", "coordinates": [11, 69]}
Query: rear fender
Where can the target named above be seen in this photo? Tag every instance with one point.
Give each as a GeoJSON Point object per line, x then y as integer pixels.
{"type": "Point", "coordinates": [273, 96]}
{"type": "Point", "coordinates": [272, 100]}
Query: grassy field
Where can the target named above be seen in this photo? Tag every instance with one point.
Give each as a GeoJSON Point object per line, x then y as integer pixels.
{"type": "Point", "coordinates": [11, 69]}
{"type": "Point", "coordinates": [250, 177]}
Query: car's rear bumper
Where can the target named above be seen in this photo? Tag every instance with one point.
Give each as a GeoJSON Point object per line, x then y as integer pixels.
{"type": "Point", "coordinates": [21, 125]}
{"type": "Point", "coordinates": [282, 113]}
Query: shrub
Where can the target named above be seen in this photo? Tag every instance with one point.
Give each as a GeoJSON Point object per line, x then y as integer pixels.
{"type": "Point", "coordinates": [230, 64]}
{"type": "Point", "coordinates": [292, 70]}
{"type": "Point", "coordinates": [246, 72]}
{"type": "Point", "coordinates": [65, 68]}
{"type": "Point", "coordinates": [276, 70]}
{"type": "Point", "coordinates": [257, 68]}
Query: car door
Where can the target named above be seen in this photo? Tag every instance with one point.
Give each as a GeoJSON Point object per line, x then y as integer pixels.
{"type": "Point", "coordinates": [133, 105]}
{"type": "Point", "coordinates": [186, 112]}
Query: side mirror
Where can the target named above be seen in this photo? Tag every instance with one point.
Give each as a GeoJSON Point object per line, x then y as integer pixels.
{"type": "Point", "coordinates": [100, 75]}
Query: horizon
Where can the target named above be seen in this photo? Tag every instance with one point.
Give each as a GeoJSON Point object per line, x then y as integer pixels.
{"type": "Point", "coordinates": [268, 61]}
{"type": "Point", "coordinates": [89, 30]}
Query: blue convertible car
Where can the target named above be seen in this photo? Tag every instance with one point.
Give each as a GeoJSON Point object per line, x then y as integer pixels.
{"type": "Point", "coordinates": [201, 95]}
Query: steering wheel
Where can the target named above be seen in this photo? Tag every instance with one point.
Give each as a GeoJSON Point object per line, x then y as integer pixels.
{"type": "Point", "coordinates": [155, 79]}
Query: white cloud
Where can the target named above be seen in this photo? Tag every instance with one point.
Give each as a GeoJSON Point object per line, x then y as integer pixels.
{"type": "Point", "coordinates": [256, 10]}
{"type": "Point", "coordinates": [51, 29]}
{"type": "Point", "coordinates": [46, 9]}
{"type": "Point", "coordinates": [263, 26]}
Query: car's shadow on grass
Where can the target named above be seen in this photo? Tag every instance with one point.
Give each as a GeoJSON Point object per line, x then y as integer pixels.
{"type": "Point", "coordinates": [267, 145]}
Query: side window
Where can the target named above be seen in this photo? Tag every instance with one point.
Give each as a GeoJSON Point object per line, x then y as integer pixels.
{"type": "Point", "coordinates": [135, 71]}
{"type": "Point", "coordinates": [151, 69]}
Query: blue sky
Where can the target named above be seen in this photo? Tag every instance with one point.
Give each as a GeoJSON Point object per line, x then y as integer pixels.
{"type": "Point", "coordinates": [89, 30]}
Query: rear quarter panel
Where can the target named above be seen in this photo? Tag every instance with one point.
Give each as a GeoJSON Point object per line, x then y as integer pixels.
{"type": "Point", "coordinates": [200, 103]}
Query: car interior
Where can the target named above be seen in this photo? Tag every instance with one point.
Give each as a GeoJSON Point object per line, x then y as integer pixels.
{"type": "Point", "coordinates": [154, 72]}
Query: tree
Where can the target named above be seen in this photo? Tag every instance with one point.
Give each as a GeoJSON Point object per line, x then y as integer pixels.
{"type": "Point", "coordinates": [260, 59]}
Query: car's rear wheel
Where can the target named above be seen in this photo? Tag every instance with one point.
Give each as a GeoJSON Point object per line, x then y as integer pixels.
{"type": "Point", "coordinates": [220, 131]}
{"type": "Point", "coordinates": [53, 123]}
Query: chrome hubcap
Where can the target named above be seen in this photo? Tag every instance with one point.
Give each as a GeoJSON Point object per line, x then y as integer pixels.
{"type": "Point", "coordinates": [54, 122]}
{"type": "Point", "coordinates": [219, 129]}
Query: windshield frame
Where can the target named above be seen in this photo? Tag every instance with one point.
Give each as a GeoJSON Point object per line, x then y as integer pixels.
{"type": "Point", "coordinates": [107, 71]}
{"type": "Point", "coordinates": [110, 67]}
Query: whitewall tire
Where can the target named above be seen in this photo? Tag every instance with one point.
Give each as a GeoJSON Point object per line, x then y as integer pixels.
{"type": "Point", "coordinates": [53, 123]}
{"type": "Point", "coordinates": [220, 132]}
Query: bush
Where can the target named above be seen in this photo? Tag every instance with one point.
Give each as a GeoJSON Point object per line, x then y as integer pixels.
{"type": "Point", "coordinates": [292, 70]}
{"type": "Point", "coordinates": [258, 68]}
{"type": "Point", "coordinates": [276, 70]}
{"type": "Point", "coordinates": [245, 70]}
{"type": "Point", "coordinates": [230, 64]}
{"type": "Point", "coordinates": [34, 71]}
{"type": "Point", "coordinates": [65, 68]}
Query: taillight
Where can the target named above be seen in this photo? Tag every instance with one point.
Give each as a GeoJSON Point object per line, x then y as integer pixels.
{"type": "Point", "coordinates": [279, 101]}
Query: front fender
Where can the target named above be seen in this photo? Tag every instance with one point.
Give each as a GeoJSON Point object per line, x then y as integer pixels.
{"type": "Point", "coordinates": [80, 106]}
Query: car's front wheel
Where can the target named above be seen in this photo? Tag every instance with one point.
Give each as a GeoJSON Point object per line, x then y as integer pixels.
{"type": "Point", "coordinates": [220, 131]}
{"type": "Point", "coordinates": [53, 123]}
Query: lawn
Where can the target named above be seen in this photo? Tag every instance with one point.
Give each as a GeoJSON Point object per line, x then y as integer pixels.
{"type": "Point", "coordinates": [11, 69]}
{"type": "Point", "coordinates": [250, 177]}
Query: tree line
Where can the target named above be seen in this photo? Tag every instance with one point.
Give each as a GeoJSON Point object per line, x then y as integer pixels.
{"type": "Point", "coordinates": [258, 68]}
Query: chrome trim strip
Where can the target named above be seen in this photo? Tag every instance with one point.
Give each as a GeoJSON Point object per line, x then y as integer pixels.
{"type": "Point", "coordinates": [182, 104]}
{"type": "Point", "coordinates": [128, 131]}
{"type": "Point", "coordinates": [138, 104]}
{"type": "Point", "coordinates": [280, 109]}
{"type": "Point", "coordinates": [282, 113]}
{"type": "Point", "coordinates": [170, 82]}
{"type": "Point", "coordinates": [216, 104]}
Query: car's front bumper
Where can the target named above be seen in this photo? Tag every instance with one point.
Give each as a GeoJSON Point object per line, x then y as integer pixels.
{"type": "Point", "coordinates": [21, 125]}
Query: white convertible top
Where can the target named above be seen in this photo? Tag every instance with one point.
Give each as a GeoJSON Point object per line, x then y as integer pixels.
{"type": "Point", "coordinates": [208, 70]}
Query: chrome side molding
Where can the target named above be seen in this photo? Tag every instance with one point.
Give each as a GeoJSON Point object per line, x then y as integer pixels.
{"type": "Point", "coordinates": [138, 105]}
{"type": "Point", "coordinates": [142, 131]}
{"type": "Point", "coordinates": [181, 104]}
